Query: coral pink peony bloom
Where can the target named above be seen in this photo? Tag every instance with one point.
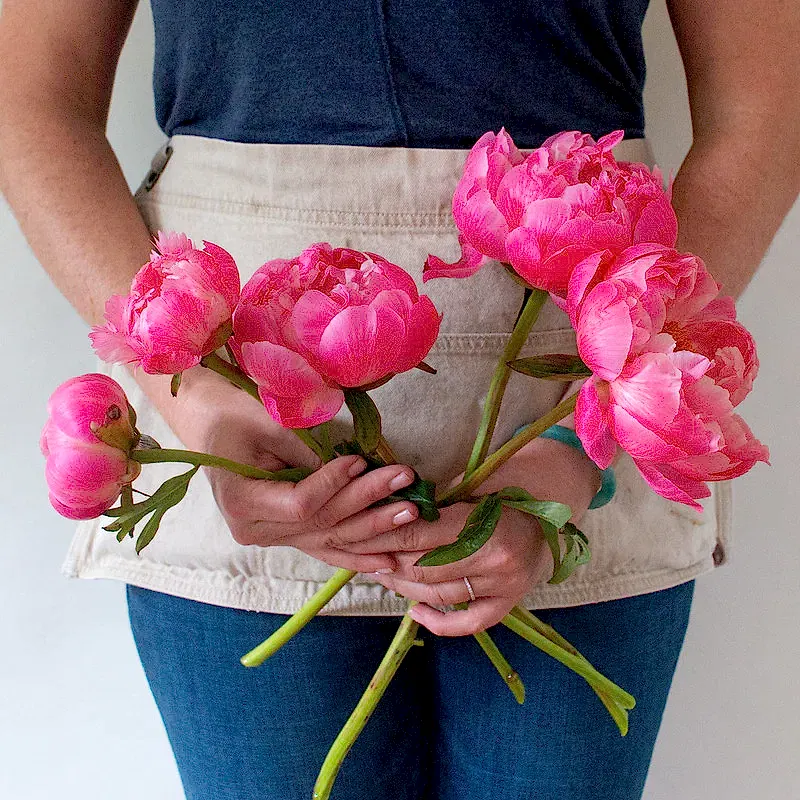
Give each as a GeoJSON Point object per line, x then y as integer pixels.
{"type": "Point", "coordinates": [329, 318]}
{"type": "Point", "coordinates": [669, 363]}
{"type": "Point", "coordinates": [544, 213]}
{"type": "Point", "coordinates": [178, 310]}
{"type": "Point", "coordinates": [85, 473]}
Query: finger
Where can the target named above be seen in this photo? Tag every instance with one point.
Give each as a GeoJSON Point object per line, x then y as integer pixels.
{"type": "Point", "coordinates": [482, 562]}
{"type": "Point", "coordinates": [357, 563]}
{"type": "Point", "coordinates": [417, 536]}
{"type": "Point", "coordinates": [447, 593]}
{"type": "Point", "coordinates": [368, 525]}
{"type": "Point", "coordinates": [482, 614]}
{"type": "Point", "coordinates": [287, 503]}
{"type": "Point", "coordinates": [361, 493]}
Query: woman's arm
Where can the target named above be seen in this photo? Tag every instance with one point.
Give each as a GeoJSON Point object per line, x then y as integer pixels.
{"type": "Point", "coordinates": [65, 186]}
{"type": "Point", "coordinates": [742, 174]}
{"type": "Point", "coordinates": [736, 185]}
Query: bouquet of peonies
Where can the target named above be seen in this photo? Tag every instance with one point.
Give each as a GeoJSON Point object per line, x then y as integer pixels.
{"type": "Point", "coordinates": [662, 358]}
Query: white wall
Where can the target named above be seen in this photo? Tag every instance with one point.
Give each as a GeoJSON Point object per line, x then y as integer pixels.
{"type": "Point", "coordinates": [76, 716]}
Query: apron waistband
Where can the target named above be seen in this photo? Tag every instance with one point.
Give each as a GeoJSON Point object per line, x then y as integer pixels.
{"type": "Point", "coordinates": [387, 183]}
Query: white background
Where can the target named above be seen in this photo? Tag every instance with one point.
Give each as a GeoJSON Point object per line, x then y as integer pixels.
{"type": "Point", "coordinates": [76, 716]}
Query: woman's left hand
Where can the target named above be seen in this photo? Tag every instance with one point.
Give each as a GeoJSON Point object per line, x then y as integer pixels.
{"type": "Point", "coordinates": [515, 558]}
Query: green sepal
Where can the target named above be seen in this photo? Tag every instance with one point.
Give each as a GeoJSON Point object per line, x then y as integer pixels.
{"type": "Point", "coordinates": [552, 367]}
{"type": "Point", "coordinates": [175, 383]}
{"type": "Point", "coordinates": [366, 418]}
{"type": "Point", "coordinates": [478, 528]}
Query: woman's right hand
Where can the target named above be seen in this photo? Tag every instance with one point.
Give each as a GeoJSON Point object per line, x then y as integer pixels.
{"type": "Point", "coordinates": [326, 515]}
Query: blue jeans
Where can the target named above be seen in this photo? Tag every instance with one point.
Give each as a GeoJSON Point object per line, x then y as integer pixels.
{"type": "Point", "coordinates": [446, 728]}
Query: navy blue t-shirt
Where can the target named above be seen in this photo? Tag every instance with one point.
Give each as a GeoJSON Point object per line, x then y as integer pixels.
{"type": "Point", "coordinates": [415, 73]}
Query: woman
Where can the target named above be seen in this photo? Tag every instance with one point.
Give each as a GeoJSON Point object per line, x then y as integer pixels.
{"type": "Point", "coordinates": [221, 83]}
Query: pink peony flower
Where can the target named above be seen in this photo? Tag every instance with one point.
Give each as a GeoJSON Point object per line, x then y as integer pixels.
{"type": "Point", "coordinates": [669, 363]}
{"type": "Point", "coordinates": [329, 318]}
{"type": "Point", "coordinates": [544, 213]}
{"type": "Point", "coordinates": [88, 435]}
{"type": "Point", "coordinates": [178, 310]}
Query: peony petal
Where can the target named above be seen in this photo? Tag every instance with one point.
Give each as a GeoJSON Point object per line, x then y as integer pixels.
{"type": "Point", "coordinates": [421, 329]}
{"type": "Point", "coordinates": [483, 226]}
{"type": "Point", "coordinates": [295, 394]}
{"type": "Point", "coordinates": [604, 330]}
{"type": "Point", "coordinates": [469, 263]}
{"type": "Point", "coordinates": [360, 344]}
{"type": "Point", "coordinates": [592, 423]}
{"type": "Point", "coordinates": [672, 485]}
{"type": "Point", "coordinates": [650, 390]}
{"type": "Point", "coordinates": [657, 223]}
{"type": "Point", "coordinates": [312, 313]}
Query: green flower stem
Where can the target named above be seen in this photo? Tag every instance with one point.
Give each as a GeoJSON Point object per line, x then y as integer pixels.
{"type": "Point", "coordinates": [506, 671]}
{"type": "Point", "coordinates": [325, 442]}
{"type": "Point", "coordinates": [401, 644]}
{"type": "Point", "coordinates": [237, 377]}
{"type": "Point", "coordinates": [305, 436]}
{"type": "Point", "coordinates": [618, 712]}
{"type": "Point", "coordinates": [531, 306]}
{"type": "Point", "coordinates": [579, 665]}
{"type": "Point", "coordinates": [295, 623]}
{"type": "Point", "coordinates": [502, 454]}
{"type": "Point", "coordinates": [385, 452]}
{"type": "Point", "coordinates": [165, 455]}
{"type": "Point", "coordinates": [232, 372]}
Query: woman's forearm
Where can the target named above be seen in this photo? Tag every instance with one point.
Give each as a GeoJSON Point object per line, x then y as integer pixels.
{"type": "Point", "coordinates": [742, 174]}
{"type": "Point", "coordinates": [731, 195]}
{"type": "Point", "coordinates": [65, 187]}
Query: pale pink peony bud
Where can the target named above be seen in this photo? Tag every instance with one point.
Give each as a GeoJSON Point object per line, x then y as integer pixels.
{"type": "Point", "coordinates": [88, 435]}
{"type": "Point", "coordinates": [179, 308]}
{"type": "Point", "coordinates": [545, 212]}
{"type": "Point", "coordinates": [327, 319]}
{"type": "Point", "coordinates": [669, 363]}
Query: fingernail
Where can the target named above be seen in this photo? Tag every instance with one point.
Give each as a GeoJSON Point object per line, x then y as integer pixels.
{"type": "Point", "coordinates": [356, 467]}
{"type": "Point", "coordinates": [402, 517]}
{"type": "Point", "coordinates": [401, 480]}
{"type": "Point", "coordinates": [384, 571]}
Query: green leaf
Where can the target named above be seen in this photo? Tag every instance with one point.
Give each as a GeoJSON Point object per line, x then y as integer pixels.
{"type": "Point", "coordinates": [577, 553]}
{"type": "Point", "coordinates": [171, 497]}
{"type": "Point", "coordinates": [293, 474]}
{"type": "Point", "coordinates": [170, 493]}
{"type": "Point", "coordinates": [556, 514]}
{"type": "Point", "coordinates": [553, 542]}
{"type": "Point", "coordinates": [478, 528]}
{"type": "Point", "coordinates": [423, 494]}
{"type": "Point", "coordinates": [149, 531]}
{"type": "Point", "coordinates": [552, 367]}
{"type": "Point", "coordinates": [582, 543]}
{"type": "Point", "coordinates": [366, 418]}
{"type": "Point", "coordinates": [352, 448]}
{"type": "Point", "coordinates": [567, 565]}
{"type": "Point", "coordinates": [175, 383]}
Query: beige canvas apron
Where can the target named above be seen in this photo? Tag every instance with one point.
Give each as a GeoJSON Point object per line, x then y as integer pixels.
{"type": "Point", "coordinates": [264, 201]}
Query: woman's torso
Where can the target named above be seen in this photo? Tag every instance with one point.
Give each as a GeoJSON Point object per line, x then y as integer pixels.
{"type": "Point", "coordinates": [437, 73]}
